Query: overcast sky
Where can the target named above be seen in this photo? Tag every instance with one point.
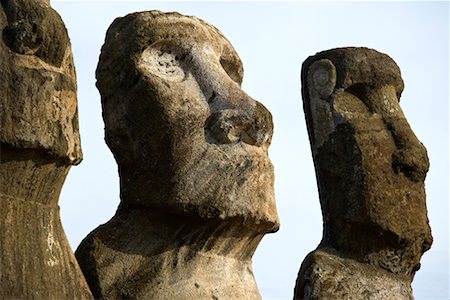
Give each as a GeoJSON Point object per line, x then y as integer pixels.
{"type": "Point", "coordinates": [273, 39]}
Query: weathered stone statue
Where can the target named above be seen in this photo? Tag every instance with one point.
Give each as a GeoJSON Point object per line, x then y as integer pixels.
{"type": "Point", "coordinates": [370, 169]}
{"type": "Point", "coordinates": [39, 141]}
{"type": "Point", "coordinates": [196, 181]}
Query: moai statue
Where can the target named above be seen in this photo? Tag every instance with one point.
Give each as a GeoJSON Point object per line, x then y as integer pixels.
{"type": "Point", "coordinates": [39, 141]}
{"type": "Point", "coordinates": [196, 181]}
{"type": "Point", "coordinates": [370, 170]}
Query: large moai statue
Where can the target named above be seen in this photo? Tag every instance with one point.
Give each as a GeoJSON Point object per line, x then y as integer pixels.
{"type": "Point", "coordinates": [40, 140]}
{"type": "Point", "coordinates": [196, 181]}
{"type": "Point", "coordinates": [370, 169]}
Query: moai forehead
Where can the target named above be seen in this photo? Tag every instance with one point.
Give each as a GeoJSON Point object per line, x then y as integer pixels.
{"type": "Point", "coordinates": [174, 110]}
{"type": "Point", "coordinates": [39, 104]}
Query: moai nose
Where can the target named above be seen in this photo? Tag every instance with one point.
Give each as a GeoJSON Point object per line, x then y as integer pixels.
{"type": "Point", "coordinates": [244, 120]}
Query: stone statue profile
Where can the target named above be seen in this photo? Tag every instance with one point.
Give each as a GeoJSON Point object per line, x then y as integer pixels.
{"type": "Point", "coordinates": [370, 169]}
{"type": "Point", "coordinates": [191, 147]}
{"type": "Point", "coordinates": [39, 141]}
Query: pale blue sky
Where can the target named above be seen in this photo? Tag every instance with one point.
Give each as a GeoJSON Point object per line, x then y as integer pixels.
{"type": "Point", "coordinates": [273, 39]}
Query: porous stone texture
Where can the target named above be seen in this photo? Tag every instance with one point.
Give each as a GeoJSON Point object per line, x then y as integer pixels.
{"type": "Point", "coordinates": [39, 141]}
{"type": "Point", "coordinates": [370, 169]}
{"type": "Point", "coordinates": [196, 181]}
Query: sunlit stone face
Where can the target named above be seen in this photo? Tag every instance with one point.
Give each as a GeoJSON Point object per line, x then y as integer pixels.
{"type": "Point", "coordinates": [185, 135]}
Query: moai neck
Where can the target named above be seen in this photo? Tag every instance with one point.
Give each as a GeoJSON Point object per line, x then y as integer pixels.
{"type": "Point", "coordinates": [370, 169]}
{"type": "Point", "coordinates": [39, 141]}
{"type": "Point", "coordinates": [174, 256]}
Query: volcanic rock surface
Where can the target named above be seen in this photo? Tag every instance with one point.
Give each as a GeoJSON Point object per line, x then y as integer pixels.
{"type": "Point", "coordinates": [370, 169]}
{"type": "Point", "coordinates": [39, 141]}
{"type": "Point", "coordinates": [196, 181]}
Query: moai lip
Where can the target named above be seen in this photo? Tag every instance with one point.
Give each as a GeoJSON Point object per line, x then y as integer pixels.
{"type": "Point", "coordinates": [39, 141]}
{"type": "Point", "coordinates": [196, 181]}
{"type": "Point", "coordinates": [370, 170]}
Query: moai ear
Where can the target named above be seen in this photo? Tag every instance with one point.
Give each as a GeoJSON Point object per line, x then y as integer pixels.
{"type": "Point", "coordinates": [322, 78]}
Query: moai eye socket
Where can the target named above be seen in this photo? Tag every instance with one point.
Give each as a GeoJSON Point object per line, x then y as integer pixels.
{"type": "Point", "coordinates": [163, 62]}
{"type": "Point", "coordinates": [34, 28]}
{"type": "Point", "coordinates": [232, 69]}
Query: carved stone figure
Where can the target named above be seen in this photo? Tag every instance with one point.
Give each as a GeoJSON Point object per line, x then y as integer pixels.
{"type": "Point", "coordinates": [196, 181]}
{"type": "Point", "coordinates": [39, 141]}
{"type": "Point", "coordinates": [370, 170]}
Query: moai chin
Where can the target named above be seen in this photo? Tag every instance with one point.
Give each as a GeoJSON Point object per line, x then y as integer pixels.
{"type": "Point", "coordinates": [39, 141]}
{"type": "Point", "coordinates": [196, 181]}
{"type": "Point", "coordinates": [370, 170]}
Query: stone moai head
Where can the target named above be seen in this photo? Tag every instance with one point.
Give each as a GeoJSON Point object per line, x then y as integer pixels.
{"type": "Point", "coordinates": [38, 83]}
{"type": "Point", "coordinates": [369, 164]}
{"type": "Point", "coordinates": [185, 136]}
{"type": "Point", "coordinates": [39, 141]}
